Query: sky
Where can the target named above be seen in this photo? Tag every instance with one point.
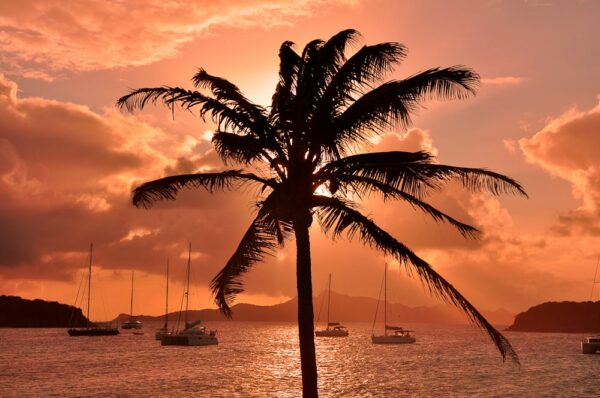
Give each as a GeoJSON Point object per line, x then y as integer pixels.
{"type": "Point", "coordinates": [69, 158]}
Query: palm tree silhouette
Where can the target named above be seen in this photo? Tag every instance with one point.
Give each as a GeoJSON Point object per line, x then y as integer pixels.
{"type": "Point", "coordinates": [325, 108]}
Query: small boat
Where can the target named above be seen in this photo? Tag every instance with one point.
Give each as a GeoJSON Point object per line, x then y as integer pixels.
{"type": "Point", "coordinates": [191, 335]}
{"type": "Point", "coordinates": [398, 335]}
{"type": "Point", "coordinates": [164, 331]}
{"type": "Point", "coordinates": [131, 323]}
{"type": "Point", "coordinates": [138, 332]}
{"type": "Point", "coordinates": [92, 329]}
{"type": "Point", "coordinates": [334, 329]}
{"type": "Point", "coordinates": [591, 344]}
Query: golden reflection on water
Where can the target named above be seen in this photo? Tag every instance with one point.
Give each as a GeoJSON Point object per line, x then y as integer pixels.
{"type": "Point", "coordinates": [261, 359]}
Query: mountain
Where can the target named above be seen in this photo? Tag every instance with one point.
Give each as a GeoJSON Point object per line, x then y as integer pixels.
{"type": "Point", "coordinates": [562, 317]}
{"type": "Point", "coordinates": [343, 309]}
{"type": "Point", "coordinates": [16, 312]}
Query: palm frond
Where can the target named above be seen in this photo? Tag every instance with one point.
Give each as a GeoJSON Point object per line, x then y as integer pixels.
{"type": "Point", "coordinates": [289, 64]}
{"type": "Point", "coordinates": [391, 104]}
{"type": "Point", "coordinates": [227, 92]}
{"type": "Point", "coordinates": [396, 169]}
{"type": "Point", "coordinates": [413, 172]}
{"type": "Point", "coordinates": [329, 59]}
{"type": "Point", "coordinates": [167, 188]}
{"type": "Point", "coordinates": [337, 217]}
{"type": "Point", "coordinates": [239, 148]}
{"type": "Point", "coordinates": [367, 65]}
{"type": "Point", "coordinates": [262, 238]}
{"type": "Point", "coordinates": [257, 242]}
{"type": "Point", "coordinates": [139, 98]}
{"type": "Point", "coordinates": [455, 82]}
{"type": "Point", "coordinates": [377, 111]}
{"type": "Point", "coordinates": [362, 186]}
{"type": "Point", "coordinates": [476, 179]}
{"type": "Point", "coordinates": [222, 114]}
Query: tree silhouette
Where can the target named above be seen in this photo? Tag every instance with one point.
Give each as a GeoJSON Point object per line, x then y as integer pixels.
{"type": "Point", "coordinates": [326, 107]}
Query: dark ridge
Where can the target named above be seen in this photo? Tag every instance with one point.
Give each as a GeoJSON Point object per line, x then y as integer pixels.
{"type": "Point", "coordinates": [16, 312]}
{"type": "Point", "coordinates": [559, 317]}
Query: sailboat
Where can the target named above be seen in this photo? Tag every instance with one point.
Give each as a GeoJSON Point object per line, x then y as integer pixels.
{"type": "Point", "coordinates": [131, 323]}
{"type": "Point", "coordinates": [591, 344]}
{"type": "Point", "coordinates": [165, 329]}
{"type": "Point", "coordinates": [92, 329]}
{"type": "Point", "coordinates": [334, 329]}
{"type": "Point", "coordinates": [192, 334]}
{"type": "Point", "coordinates": [391, 334]}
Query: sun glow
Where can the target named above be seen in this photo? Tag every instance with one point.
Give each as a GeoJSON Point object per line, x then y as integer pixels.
{"type": "Point", "coordinates": [323, 191]}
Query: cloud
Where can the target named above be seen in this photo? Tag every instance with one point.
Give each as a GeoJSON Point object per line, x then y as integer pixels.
{"type": "Point", "coordinates": [42, 39]}
{"type": "Point", "coordinates": [510, 145]}
{"type": "Point", "coordinates": [65, 177]}
{"type": "Point", "coordinates": [568, 147]}
{"type": "Point", "coordinates": [503, 81]}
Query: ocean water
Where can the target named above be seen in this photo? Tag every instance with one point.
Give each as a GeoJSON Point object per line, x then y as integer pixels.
{"type": "Point", "coordinates": [262, 360]}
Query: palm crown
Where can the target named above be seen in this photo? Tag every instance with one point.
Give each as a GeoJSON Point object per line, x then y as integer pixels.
{"type": "Point", "coordinates": [326, 106]}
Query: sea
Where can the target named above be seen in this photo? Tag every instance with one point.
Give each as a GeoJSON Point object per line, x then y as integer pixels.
{"type": "Point", "coordinates": [262, 360]}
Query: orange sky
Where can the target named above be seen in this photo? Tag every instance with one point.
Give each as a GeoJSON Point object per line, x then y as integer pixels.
{"type": "Point", "coordinates": [68, 158]}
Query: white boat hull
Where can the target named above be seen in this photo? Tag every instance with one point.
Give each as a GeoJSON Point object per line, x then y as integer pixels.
{"type": "Point", "coordinates": [391, 339]}
{"type": "Point", "coordinates": [331, 333]}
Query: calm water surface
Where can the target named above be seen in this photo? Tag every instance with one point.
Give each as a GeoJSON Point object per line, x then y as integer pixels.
{"type": "Point", "coordinates": [261, 359]}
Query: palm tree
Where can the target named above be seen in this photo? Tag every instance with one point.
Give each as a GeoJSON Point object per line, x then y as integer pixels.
{"type": "Point", "coordinates": [326, 107]}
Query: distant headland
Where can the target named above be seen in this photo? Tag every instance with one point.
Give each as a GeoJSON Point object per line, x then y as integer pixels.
{"type": "Point", "coordinates": [16, 312]}
{"type": "Point", "coordinates": [559, 317]}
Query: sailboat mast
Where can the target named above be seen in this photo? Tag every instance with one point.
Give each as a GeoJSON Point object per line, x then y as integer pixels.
{"type": "Point", "coordinates": [131, 304]}
{"type": "Point", "coordinates": [328, 300]}
{"type": "Point", "coordinates": [385, 299]}
{"type": "Point", "coordinates": [167, 297]}
{"type": "Point", "coordinates": [89, 285]}
{"type": "Point", "coordinates": [187, 283]}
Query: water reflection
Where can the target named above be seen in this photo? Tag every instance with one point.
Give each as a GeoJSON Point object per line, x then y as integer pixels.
{"type": "Point", "coordinates": [261, 359]}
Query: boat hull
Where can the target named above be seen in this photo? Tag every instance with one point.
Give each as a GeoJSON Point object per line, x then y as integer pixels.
{"type": "Point", "coordinates": [93, 332]}
{"type": "Point", "coordinates": [589, 348]}
{"type": "Point", "coordinates": [131, 325]}
{"type": "Point", "coordinates": [188, 340]}
{"type": "Point", "coordinates": [161, 333]}
{"type": "Point", "coordinates": [331, 333]}
{"type": "Point", "coordinates": [393, 339]}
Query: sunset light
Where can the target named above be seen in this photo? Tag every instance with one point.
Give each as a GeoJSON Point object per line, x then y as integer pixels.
{"type": "Point", "coordinates": [311, 190]}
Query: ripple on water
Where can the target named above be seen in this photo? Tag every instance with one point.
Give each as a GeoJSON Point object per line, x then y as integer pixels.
{"type": "Point", "coordinates": [261, 359]}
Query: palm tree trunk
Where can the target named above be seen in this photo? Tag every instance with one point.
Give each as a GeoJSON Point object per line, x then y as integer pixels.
{"type": "Point", "coordinates": [308, 360]}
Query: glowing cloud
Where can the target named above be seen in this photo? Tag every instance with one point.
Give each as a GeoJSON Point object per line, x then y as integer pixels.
{"type": "Point", "coordinates": [43, 38]}
{"type": "Point", "coordinates": [569, 147]}
{"type": "Point", "coordinates": [502, 81]}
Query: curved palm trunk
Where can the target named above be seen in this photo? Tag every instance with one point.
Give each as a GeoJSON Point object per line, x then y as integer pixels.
{"type": "Point", "coordinates": [308, 360]}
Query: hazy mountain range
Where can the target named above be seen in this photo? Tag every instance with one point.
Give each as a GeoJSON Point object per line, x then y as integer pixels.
{"type": "Point", "coordinates": [343, 309]}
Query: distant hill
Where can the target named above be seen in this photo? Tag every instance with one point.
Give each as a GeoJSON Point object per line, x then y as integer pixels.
{"type": "Point", "coordinates": [16, 312]}
{"type": "Point", "coordinates": [560, 317]}
{"type": "Point", "coordinates": [343, 309]}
